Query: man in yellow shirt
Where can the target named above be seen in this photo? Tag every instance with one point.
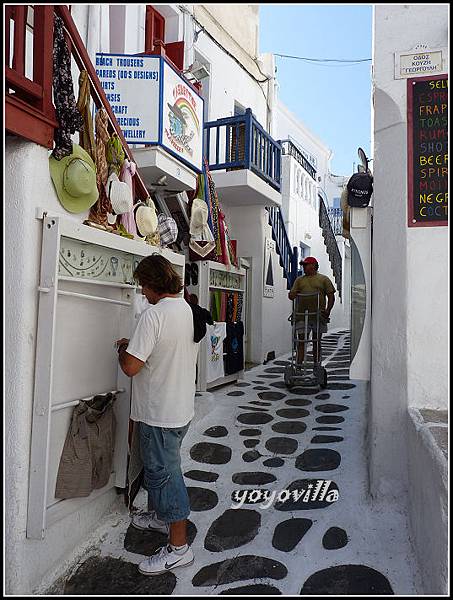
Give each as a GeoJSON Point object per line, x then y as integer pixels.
{"type": "Point", "coordinates": [312, 282]}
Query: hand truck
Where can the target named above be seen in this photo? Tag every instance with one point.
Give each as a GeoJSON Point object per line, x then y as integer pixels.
{"type": "Point", "coordinates": [305, 374]}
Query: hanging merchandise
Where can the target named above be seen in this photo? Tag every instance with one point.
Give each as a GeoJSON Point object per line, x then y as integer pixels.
{"type": "Point", "coordinates": [147, 222]}
{"type": "Point", "coordinates": [87, 458]}
{"type": "Point", "coordinates": [100, 210]}
{"type": "Point", "coordinates": [201, 245]}
{"type": "Point", "coordinates": [86, 136]}
{"type": "Point", "coordinates": [115, 154]}
{"type": "Point", "coordinates": [234, 361]}
{"type": "Point", "coordinates": [74, 179]}
{"type": "Point", "coordinates": [127, 172]}
{"type": "Point", "coordinates": [214, 351]}
{"type": "Point", "coordinates": [119, 195]}
{"type": "Point", "coordinates": [223, 306]}
{"type": "Point", "coordinates": [239, 308]}
{"type": "Point", "coordinates": [225, 257]}
{"type": "Point", "coordinates": [230, 308]}
{"type": "Point", "coordinates": [213, 203]}
{"type": "Point", "coordinates": [235, 306]}
{"type": "Point", "coordinates": [68, 116]}
{"type": "Point", "coordinates": [168, 230]}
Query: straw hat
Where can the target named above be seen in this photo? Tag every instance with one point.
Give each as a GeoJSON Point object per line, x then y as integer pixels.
{"type": "Point", "coordinates": [74, 179]}
{"type": "Point", "coordinates": [146, 218]}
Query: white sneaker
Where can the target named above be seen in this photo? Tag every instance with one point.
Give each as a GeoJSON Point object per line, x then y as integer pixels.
{"type": "Point", "coordinates": [165, 560]}
{"type": "Point", "coordinates": [148, 521]}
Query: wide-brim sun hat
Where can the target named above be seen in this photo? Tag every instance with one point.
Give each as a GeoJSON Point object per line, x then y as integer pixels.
{"type": "Point", "coordinates": [74, 179]}
{"type": "Point", "coordinates": [119, 194]}
{"type": "Point", "coordinates": [145, 219]}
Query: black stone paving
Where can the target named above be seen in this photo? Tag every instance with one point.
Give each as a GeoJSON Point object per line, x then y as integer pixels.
{"type": "Point", "coordinates": [347, 580]}
{"type": "Point", "coordinates": [241, 568]}
{"type": "Point", "coordinates": [335, 538]}
{"type": "Point", "coordinates": [234, 528]}
{"type": "Point", "coordinates": [111, 576]}
{"type": "Point", "coordinates": [289, 533]}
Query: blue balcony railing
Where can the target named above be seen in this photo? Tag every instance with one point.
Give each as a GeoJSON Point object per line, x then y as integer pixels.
{"type": "Point", "coordinates": [288, 255]}
{"type": "Point", "coordinates": [240, 142]}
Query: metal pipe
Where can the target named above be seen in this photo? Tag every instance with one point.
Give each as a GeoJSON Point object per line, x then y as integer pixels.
{"type": "Point", "coordinates": [97, 298]}
{"type": "Point", "coordinates": [76, 402]}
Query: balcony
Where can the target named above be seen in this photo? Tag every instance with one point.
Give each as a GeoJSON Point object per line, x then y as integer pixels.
{"type": "Point", "coordinates": [288, 148]}
{"type": "Point", "coordinates": [245, 161]}
{"type": "Point", "coordinates": [336, 220]}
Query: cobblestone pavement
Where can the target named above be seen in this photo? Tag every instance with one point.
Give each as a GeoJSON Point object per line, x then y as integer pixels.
{"type": "Point", "coordinates": [257, 435]}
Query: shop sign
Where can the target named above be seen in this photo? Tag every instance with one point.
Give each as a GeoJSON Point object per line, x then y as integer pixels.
{"type": "Point", "coordinates": [153, 104]}
{"type": "Point", "coordinates": [427, 139]}
{"type": "Point", "coordinates": [268, 287]}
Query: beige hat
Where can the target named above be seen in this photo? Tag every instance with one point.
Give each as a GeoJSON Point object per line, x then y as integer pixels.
{"type": "Point", "coordinates": [119, 194]}
{"type": "Point", "coordinates": [199, 228]}
{"type": "Point", "coordinates": [146, 218]}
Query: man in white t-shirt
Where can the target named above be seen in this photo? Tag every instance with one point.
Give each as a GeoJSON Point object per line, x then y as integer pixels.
{"type": "Point", "coordinates": [161, 357]}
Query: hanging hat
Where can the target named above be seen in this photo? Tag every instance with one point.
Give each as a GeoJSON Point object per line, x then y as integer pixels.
{"type": "Point", "coordinates": [199, 228]}
{"type": "Point", "coordinates": [119, 194]}
{"type": "Point", "coordinates": [168, 230]}
{"type": "Point", "coordinates": [145, 218]}
{"type": "Point", "coordinates": [74, 179]}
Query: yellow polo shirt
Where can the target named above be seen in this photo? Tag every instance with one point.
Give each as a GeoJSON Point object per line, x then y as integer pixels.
{"type": "Point", "coordinates": [312, 283]}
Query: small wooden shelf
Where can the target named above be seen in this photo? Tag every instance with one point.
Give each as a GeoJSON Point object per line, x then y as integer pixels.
{"type": "Point", "coordinates": [225, 289]}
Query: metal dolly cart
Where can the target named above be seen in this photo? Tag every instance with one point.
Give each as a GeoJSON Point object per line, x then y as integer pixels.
{"type": "Point", "coordinates": [306, 373]}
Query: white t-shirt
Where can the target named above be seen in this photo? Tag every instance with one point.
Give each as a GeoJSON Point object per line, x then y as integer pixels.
{"type": "Point", "coordinates": [216, 334]}
{"type": "Point", "coordinates": [164, 389]}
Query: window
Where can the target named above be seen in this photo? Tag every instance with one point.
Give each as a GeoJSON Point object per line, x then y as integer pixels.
{"type": "Point", "coordinates": [154, 29]}
{"type": "Point", "coordinates": [336, 203]}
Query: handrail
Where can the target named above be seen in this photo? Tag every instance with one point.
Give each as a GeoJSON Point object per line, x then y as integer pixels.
{"type": "Point", "coordinates": [288, 148]}
{"type": "Point", "coordinates": [240, 142]}
{"type": "Point", "coordinates": [288, 255]}
{"type": "Point", "coordinates": [336, 220]}
{"type": "Point", "coordinates": [331, 243]}
{"type": "Point", "coordinates": [32, 98]}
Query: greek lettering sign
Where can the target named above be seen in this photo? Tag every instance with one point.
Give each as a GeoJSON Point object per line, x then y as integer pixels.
{"type": "Point", "coordinates": [131, 84]}
{"type": "Point", "coordinates": [182, 118]}
{"type": "Point", "coordinates": [427, 132]}
{"type": "Point", "coordinates": [423, 62]}
{"type": "Point", "coordinates": [153, 104]}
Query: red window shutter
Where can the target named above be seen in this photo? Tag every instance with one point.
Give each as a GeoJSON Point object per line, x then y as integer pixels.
{"type": "Point", "coordinates": [154, 29]}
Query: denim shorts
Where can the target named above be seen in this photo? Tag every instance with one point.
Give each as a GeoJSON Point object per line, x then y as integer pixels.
{"type": "Point", "coordinates": [160, 451]}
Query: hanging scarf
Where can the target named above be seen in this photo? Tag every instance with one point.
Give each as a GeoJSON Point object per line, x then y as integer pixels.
{"type": "Point", "coordinates": [115, 154]}
{"type": "Point", "coordinates": [86, 136]}
{"type": "Point", "coordinates": [69, 118]}
{"type": "Point", "coordinates": [127, 172]}
{"type": "Point", "coordinates": [99, 211]}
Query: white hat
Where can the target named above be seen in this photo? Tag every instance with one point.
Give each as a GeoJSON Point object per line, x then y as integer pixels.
{"type": "Point", "coordinates": [199, 228]}
{"type": "Point", "coordinates": [119, 194]}
{"type": "Point", "coordinates": [145, 218]}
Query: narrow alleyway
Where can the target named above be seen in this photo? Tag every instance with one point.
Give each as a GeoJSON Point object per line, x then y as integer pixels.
{"type": "Point", "coordinates": [257, 435]}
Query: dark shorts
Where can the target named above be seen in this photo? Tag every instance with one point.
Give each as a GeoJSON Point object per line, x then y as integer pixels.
{"type": "Point", "coordinates": [160, 449]}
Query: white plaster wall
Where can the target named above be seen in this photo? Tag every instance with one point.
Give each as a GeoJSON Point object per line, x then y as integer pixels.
{"type": "Point", "coordinates": [428, 473]}
{"type": "Point", "coordinates": [230, 83]}
{"type": "Point", "coordinates": [28, 185]}
{"type": "Point", "coordinates": [300, 207]}
{"type": "Point", "coordinates": [409, 333]}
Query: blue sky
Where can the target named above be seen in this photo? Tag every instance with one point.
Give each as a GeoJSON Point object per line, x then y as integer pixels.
{"type": "Point", "coordinates": [333, 101]}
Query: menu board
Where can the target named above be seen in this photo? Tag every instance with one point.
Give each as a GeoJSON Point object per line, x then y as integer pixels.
{"type": "Point", "coordinates": [427, 132]}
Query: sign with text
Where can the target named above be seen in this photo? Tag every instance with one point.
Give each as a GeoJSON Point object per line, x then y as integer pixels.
{"type": "Point", "coordinates": [131, 84]}
{"type": "Point", "coordinates": [427, 138]}
{"type": "Point", "coordinates": [182, 118]}
{"type": "Point", "coordinates": [423, 63]}
{"type": "Point", "coordinates": [154, 104]}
